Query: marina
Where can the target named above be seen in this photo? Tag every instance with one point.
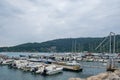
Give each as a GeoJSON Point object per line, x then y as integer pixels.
{"type": "Point", "coordinates": [65, 75]}
{"type": "Point", "coordinates": [36, 66]}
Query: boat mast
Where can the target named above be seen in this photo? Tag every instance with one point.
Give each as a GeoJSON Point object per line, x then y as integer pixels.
{"type": "Point", "coordinates": [111, 33]}
{"type": "Point", "coordinates": [111, 66]}
{"type": "Point", "coordinates": [110, 43]}
{"type": "Point", "coordinates": [75, 46]}
{"type": "Point", "coordinates": [114, 44]}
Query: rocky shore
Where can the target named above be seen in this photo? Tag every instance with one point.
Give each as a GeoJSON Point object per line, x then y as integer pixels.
{"type": "Point", "coordinates": [103, 76]}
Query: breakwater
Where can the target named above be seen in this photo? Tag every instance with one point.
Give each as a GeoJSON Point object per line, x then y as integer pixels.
{"type": "Point", "coordinates": [102, 76]}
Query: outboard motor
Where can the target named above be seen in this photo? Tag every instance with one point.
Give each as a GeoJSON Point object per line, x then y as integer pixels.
{"type": "Point", "coordinates": [1, 62]}
{"type": "Point", "coordinates": [44, 72]}
{"type": "Point", "coordinates": [10, 65]}
{"type": "Point", "coordinates": [34, 70]}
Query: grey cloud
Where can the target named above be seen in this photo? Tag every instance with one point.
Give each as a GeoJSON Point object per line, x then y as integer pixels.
{"type": "Point", "coordinates": [37, 20]}
{"type": "Point", "coordinates": [7, 10]}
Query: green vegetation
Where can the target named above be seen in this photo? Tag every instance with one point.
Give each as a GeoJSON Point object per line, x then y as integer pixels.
{"type": "Point", "coordinates": [64, 45]}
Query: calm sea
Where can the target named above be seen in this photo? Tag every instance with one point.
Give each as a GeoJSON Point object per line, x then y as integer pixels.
{"type": "Point", "coordinates": [14, 74]}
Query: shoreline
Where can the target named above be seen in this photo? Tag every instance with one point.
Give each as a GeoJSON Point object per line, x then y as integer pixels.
{"type": "Point", "coordinates": [102, 76]}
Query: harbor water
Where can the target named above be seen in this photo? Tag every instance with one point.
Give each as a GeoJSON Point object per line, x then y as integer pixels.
{"type": "Point", "coordinates": [16, 74]}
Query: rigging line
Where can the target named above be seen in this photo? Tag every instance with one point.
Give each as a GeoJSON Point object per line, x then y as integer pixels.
{"type": "Point", "coordinates": [101, 43]}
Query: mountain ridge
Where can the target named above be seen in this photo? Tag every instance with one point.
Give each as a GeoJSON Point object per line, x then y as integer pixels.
{"type": "Point", "coordinates": [63, 45]}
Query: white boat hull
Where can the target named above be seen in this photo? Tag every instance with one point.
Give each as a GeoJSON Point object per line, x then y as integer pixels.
{"type": "Point", "coordinates": [54, 72]}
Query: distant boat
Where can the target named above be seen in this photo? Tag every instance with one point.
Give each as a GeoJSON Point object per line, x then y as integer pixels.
{"type": "Point", "coordinates": [22, 55]}
{"type": "Point", "coordinates": [34, 56]}
{"type": "Point", "coordinates": [72, 63]}
{"type": "Point", "coordinates": [6, 62]}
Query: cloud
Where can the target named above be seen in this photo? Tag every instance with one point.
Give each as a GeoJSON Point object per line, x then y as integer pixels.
{"type": "Point", "coordinates": [37, 20]}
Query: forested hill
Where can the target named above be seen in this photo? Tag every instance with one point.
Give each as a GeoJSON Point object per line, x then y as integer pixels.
{"type": "Point", "coordinates": [64, 45]}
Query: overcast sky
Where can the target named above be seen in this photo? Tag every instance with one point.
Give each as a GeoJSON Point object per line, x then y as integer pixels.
{"type": "Point", "coordinates": [24, 21]}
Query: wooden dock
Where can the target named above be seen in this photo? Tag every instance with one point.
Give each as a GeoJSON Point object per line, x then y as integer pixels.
{"type": "Point", "coordinates": [71, 68]}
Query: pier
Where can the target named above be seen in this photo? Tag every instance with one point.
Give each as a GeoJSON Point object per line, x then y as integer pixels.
{"type": "Point", "coordinates": [71, 68]}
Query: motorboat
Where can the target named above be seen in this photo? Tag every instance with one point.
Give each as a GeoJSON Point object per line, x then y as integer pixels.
{"type": "Point", "coordinates": [52, 69]}
{"type": "Point", "coordinates": [40, 70]}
